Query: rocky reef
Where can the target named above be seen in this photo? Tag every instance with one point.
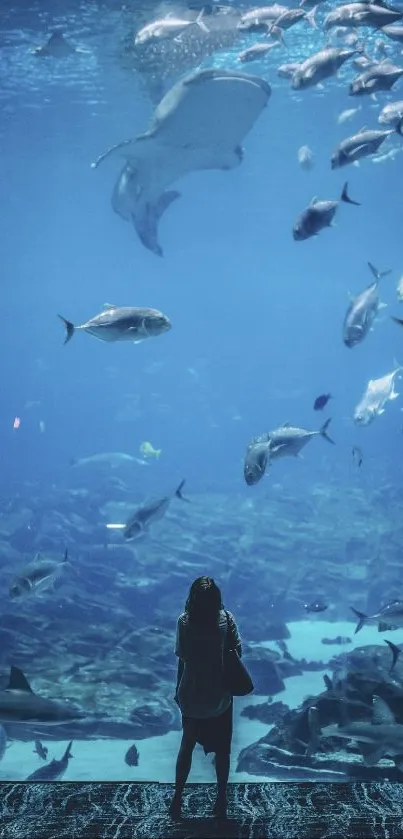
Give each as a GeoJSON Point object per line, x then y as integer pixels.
{"type": "Point", "coordinates": [299, 743]}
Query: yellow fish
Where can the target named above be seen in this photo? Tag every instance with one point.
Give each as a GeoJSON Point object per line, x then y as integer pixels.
{"type": "Point", "coordinates": [147, 450]}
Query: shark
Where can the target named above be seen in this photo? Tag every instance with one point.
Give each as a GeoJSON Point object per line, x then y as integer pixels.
{"type": "Point", "coordinates": [19, 704]}
{"type": "Point", "coordinates": [199, 124]}
{"type": "Point", "coordinates": [380, 737]}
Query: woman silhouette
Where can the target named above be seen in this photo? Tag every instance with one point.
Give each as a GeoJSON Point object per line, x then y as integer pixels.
{"type": "Point", "coordinates": [204, 631]}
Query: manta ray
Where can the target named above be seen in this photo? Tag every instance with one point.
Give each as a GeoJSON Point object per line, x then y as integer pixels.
{"type": "Point", "coordinates": [199, 124]}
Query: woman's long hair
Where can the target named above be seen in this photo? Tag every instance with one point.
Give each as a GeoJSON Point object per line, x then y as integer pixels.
{"type": "Point", "coordinates": [204, 601]}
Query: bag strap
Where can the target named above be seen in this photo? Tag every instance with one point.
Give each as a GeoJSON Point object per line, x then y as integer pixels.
{"type": "Point", "coordinates": [227, 639]}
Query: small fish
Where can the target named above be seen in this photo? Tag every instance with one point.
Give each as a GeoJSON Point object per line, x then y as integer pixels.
{"type": "Point", "coordinates": [122, 324]}
{"type": "Point", "coordinates": [349, 113]}
{"type": "Point", "coordinates": [40, 575]}
{"type": "Point", "coordinates": [41, 750]}
{"type": "Point", "coordinates": [148, 450]}
{"type": "Point", "coordinates": [377, 394]}
{"type": "Point", "coordinates": [320, 66]}
{"type": "Point", "coordinates": [318, 215]}
{"type": "Point", "coordinates": [321, 401]}
{"type": "Point", "coordinates": [381, 76]}
{"type": "Point", "coordinates": [388, 618]}
{"type": "Point", "coordinates": [288, 441]}
{"type": "Point", "coordinates": [54, 770]}
{"type": "Point", "coordinates": [357, 456]}
{"type": "Point", "coordinates": [305, 158]}
{"type": "Point", "coordinates": [132, 756]}
{"type": "Point", "coordinates": [316, 606]}
{"type": "Point", "coordinates": [256, 461]}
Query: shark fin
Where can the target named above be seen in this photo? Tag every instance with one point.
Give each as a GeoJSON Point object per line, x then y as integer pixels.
{"type": "Point", "coordinates": [18, 681]}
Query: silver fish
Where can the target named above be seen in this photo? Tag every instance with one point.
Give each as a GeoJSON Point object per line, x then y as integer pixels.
{"type": "Point", "coordinates": [122, 324]}
{"type": "Point", "coordinates": [146, 515]}
{"type": "Point", "coordinates": [389, 617]}
{"type": "Point", "coordinates": [288, 440]}
{"type": "Point", "coordinates": [381, 76]}
{"type": "Point", "coordinates": [361, 14]}
{"type": "Point", "coordinates": [37, 577]}
{"type": "Point", "coordinates": [362, 311]}
{"type": "Point", "coordinates": [168, 27]}
{"type": "Point", "coordinates": [320, 66]}
{"type": "Point", "coordinates": [256, 460]}
{"type": "Point", "coordinates": [318, 215]}
{"type": "Point", "coordinates": [391, 114]}
{"type": "Point", "coordinates": [377, 394]}
{"type": "Point", "coordinates": [362, 144]}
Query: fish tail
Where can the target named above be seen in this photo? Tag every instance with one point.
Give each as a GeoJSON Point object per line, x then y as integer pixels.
{"type": "Point", "coordinates": [311, 18]}
{"type": "Point", "coordinates": [69, 329]}
{"type": "Point", "coordinates": [398, 320]}
{"type": "Point", "coordinates": [323, 431]}
{"type": "Point", "coordinates": [66, 556]}
{"type": "Point", "coordinates": [361, 619]}
{"type": "Point", "coordinates": [178, 492]}
{"type": "Point", "coordinates": [395, 653]}
{"type": "Point", "coordinates": [345, 196]}
{"type": "Point", "coordinates": [200, 22]}
{"type": "Point", "coordinates": [399, 127]}
{"type": "Point", "coordinates": [378, 274]}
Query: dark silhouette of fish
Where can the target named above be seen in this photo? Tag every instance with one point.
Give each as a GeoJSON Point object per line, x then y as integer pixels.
{"type": "Point", "coordinates": [321, 401]}
{"type": "Point", "coordinates": [132, 756]}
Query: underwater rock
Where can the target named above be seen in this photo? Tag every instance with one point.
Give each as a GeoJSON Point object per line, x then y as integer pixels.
{"type": "Point", "coordinates": [155, 717]}
{"type": "Point", "coordinates": [267, 712]}
{"type": "Point", "coordinates": [357, 677]}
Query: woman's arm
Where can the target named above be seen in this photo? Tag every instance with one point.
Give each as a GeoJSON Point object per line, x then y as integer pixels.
{"type": "Point", "coordinates": [234, 638]}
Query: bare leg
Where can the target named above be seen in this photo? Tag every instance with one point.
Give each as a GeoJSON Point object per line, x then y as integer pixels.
{"type": "Point", "coordinates": [222, 761]}
{"type": "Point", "coordinates": [183, 766]}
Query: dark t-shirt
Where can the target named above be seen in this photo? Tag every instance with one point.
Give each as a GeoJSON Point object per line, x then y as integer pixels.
{"type": "Point", "coordinates": [201, 691]}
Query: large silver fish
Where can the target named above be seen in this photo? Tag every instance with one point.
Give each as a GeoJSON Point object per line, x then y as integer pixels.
{"type": "Point", "coordinates": [122, 324]}
{"type": "Point", "coordinates": [320, 66]}
{"type": "Point", "coordinates": [185, 136]}
{"type": "Point", "coordinates": [141, 520]}
{"type": "Point", "coordinates": [389, 617]}
{"type": "Point", "coordinates": [377, 394]}
{"type": "Point", "coordinates": [362, 311]}
{"type": "Point", "coordinates": [288, 440]}
{"type": "Point", "coordinates": [362, 144]}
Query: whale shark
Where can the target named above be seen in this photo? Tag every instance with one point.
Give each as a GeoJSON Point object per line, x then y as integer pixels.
{"type": "Point", "coordinates": [199, 124]}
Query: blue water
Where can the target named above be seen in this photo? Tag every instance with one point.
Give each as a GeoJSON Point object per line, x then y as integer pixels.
{"type": "Point", "coordinates": [256, 317]}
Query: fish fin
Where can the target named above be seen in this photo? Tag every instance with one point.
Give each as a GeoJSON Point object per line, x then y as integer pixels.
{"type": "Point", "coordinates": [66, 556]}
{"type": "Point", "coordinates": [382, 411]}
{"type": "Point", "coordinates": [323, 431]}
{"type": "Point", "coordinates": [95, 163]}
{"type": "Point", "coordinates": [384, 627]}
{"type": "Point", "coordinates": [399, 127]}
{"type": "Point", "coordinates": [328, 682]}
{"type": "Point", "coordinates": [381, 713]}
{"type": "Point", "coordinates": [147, 225]}
{"type": "Point", "coordinates": [393, 395]}
{"type": "Point", "coordinates": [378, 274]}
{"type": "Point", "coordinates": [108, 306]}
{"type": "Point", "coordinates": [371, 754]}
{"type": "Point", "coordinates": [38, 557]}
{"type": "Point", "coordinates": [398, 320]}
{"type": "Point", "coordinates": [395, 653]}
{"type": "Point", "coordinates": [18, 681]}
{"type": "Point", "coordinates": [345, 196]}
{"type": "Point", "coordinates": [361, 619]}
{"type": "Point", "coordinates": [200, 22]}
{"type": "Point", "coordinates": [69, 328]}
{"type": "Point", "coordinates": [67, 755]}
{"type": "Point", "coordinates": [178, 492]}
